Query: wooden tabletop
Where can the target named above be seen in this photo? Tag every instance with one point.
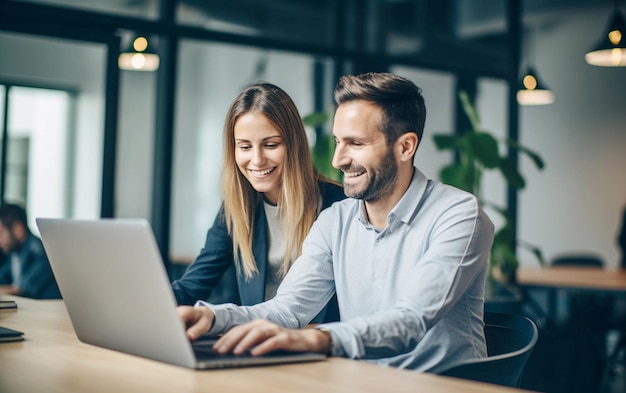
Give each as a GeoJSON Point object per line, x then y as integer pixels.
{"type": "Point", "coordinates": [51, 359]}
{"type": "Point", "coordinates": [573, 277]}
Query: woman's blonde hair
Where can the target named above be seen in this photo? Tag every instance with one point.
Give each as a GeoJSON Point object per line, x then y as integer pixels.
{"type": "Point", "coordinates": [298, 199]}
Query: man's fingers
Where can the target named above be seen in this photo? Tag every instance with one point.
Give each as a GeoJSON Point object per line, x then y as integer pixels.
{"type": "Point", "coordinates": [243, 337]}
{"type": "Point", "coordinates": [253, 338]}
{"type": "Point", "coordinates": [274, 342]}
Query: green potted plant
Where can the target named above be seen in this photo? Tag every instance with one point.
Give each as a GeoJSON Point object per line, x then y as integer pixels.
{"type": "Point", "coordinates": [324, 147]}
{"type": "Point", "coordinates": [478, 151]}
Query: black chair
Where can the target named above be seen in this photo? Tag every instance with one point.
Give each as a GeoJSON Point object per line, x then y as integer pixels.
{"type": "Point", "coordinates": [578, 260]}
{"type": "Point", "coordinates": [590, 316]}
{"type": "Point", "coordinates": [510, 340]}
{"type": "Point", "coordinates": [584, 309]}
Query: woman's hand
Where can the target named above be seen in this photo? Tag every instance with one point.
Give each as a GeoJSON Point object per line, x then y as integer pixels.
{"type": "Point", "coordinates": [197, 320]}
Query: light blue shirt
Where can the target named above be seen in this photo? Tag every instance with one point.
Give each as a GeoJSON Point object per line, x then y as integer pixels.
{"type": "Point", "coordinates": [410, 296]}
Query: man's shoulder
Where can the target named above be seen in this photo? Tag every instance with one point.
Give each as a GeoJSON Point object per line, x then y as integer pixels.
{"type": "Point", "coordinates": [35, 249]}
{"type": "Point", "coordinates": [445, 192]}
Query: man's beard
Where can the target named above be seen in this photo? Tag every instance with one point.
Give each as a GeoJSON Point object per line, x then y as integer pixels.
{"type": "Point", "coordinates": [381, 180]}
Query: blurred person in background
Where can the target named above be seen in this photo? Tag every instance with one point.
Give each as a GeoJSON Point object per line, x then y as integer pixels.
{"type": "Point", "coordinates": [26, 270]}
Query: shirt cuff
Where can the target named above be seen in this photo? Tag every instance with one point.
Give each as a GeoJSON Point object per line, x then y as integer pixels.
{"type": "Point", "coordinates": [215, 328]}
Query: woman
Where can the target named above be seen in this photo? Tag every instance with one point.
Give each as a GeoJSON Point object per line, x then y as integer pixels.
{"type": "Point", "coordinates": [272, 195]}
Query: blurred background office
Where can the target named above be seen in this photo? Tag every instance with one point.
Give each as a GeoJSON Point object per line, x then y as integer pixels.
{"type": "Point", "coordinates": [85, 138]}
{"type": "Point", "coordinates": [88, 132]}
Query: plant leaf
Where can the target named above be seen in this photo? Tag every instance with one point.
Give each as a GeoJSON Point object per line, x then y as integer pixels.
{"type": "Point", "coordinates": [485, 148]}
{"type": "Point", "coordinates": [322, 153]}
{"type": "Point", "coordinates": [534, 156]}
{"type": "Point", "coordinates": [446, 141]}
{"type": "Point", "coordinates": [469, 109]}
{"type": "Point", "coordinates": [535, 251]}
{"type": "Point", "coordinates": [315, 119]}
{"type": "Point", "coordinates": [457, 175]}
{"type": "Point", "coordinates": [511, 174]}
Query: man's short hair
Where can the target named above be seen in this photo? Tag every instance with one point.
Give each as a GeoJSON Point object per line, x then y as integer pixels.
{"type": "Point", "coordinates": [10, 214]}
{"type": "Point", "coordinates": [401, 101]}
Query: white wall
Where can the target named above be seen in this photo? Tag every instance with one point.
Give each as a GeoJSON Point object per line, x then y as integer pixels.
{"type": "Point", "coordinates": [575, 204]}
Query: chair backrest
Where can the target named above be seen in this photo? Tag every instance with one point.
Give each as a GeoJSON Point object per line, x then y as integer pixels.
{"type": "Point", "coordinates": [510, 339]}
{"type": "Point", "coordinates": [578, 260]}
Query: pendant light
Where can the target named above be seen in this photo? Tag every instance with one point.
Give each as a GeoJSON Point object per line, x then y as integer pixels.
{"type": "Point", "coordinates": [138, 57]}
{"type": "Point", "coordinates": [610, 51]}
{"type": "Point", "coordinates": [531, 90]}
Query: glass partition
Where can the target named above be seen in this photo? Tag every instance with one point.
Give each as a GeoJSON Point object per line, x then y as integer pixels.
{"type": "Point", "coordinates": [209, 78]}
{"type": "Point", "coordinates": [301, 21]}
{"type": "Point", "coordinates": [55, 124]}
{"type": "Point", "coordinates": [37, 167]}
{"type": "Point", "coordinates": [148, 9]}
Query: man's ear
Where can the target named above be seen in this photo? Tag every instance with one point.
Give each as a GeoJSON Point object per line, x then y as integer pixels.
{"type": "Point", "coordinates": [407, 145]}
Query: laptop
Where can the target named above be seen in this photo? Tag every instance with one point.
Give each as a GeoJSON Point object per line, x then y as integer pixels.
{"type": "Point", "coordinates": [118, 294]}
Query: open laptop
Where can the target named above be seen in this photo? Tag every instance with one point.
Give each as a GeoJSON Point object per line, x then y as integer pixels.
{"type": "Point", "coordinates": [118, 295]}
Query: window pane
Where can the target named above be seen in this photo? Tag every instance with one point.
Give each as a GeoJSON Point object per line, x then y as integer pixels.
{"type": "Point", "coordinates": [438, 90]}
{"type": "Point", "coordinates": [209, 78]}
{"type": "Point", "coordinates": [36, 167]}
{"type": "Point", "coordinates": [148, 9]}
{"type": "Point", "coordinates": [135, 144]}
{"type": "Point", "coordinates": [51, 64]}
{"type": "Point", "coordinates": [439, 33]}
{"type": "Point", "coordinates": [301, 21]}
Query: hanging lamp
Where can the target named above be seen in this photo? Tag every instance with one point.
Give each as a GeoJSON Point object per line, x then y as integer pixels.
{"type": "Point", "coordinates": [138, 57]}
{"type": "Point", "coordinates": [610, 51]}
{"type": "Point", "coordinates": [531, 90]}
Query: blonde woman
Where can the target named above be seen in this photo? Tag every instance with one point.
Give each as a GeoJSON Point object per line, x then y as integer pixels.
{"type": "Point", "coordinates": [272, 195]}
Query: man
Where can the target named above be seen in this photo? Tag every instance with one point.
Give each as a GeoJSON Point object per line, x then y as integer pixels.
{"type": "Point", "coordinates": [407, 256]}
{"type": "Point", "coordinates": [26, 272]}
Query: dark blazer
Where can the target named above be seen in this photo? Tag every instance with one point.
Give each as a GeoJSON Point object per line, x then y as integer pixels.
{"type": "Point", "coordinates": [36, 278]}
{"type": "Point", "coordinates": [216, 259]}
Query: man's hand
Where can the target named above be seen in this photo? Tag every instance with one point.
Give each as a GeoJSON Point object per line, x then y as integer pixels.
{"type": "Point", "coordinates": [197, 320]}
{"type": "Point", "coordinates": [262, 336]}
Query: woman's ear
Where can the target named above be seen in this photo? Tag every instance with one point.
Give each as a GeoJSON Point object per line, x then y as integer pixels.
{"type": "Point", "coordinates": [407, 145]}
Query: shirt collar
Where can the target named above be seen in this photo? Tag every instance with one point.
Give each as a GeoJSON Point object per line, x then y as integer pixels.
{"type": "Point", "coordinates": [406, 207]}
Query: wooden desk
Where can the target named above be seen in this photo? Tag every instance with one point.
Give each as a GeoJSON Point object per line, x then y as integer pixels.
{"type": "Point", "coordinates": [570, 277]}
{"type": "Point", "coordinates": [51, 359]}
{"type": "Point", "coordinates": [610, 285]}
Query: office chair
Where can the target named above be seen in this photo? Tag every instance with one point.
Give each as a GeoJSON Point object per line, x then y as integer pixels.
{"type": "Point", "coordinates": [597, 312]}
{"type": "Point", "coordinates": [510, 339]}
{"type": "Point", "coordinates": [578, 260]}
{"type": "Point", "coordinates": [583, 310]}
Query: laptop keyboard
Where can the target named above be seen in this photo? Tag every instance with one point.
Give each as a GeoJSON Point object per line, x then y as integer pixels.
{"type": "Point", "coordinates": [204, 353]}
{"type": "Point", "coordinates": [203, 348]}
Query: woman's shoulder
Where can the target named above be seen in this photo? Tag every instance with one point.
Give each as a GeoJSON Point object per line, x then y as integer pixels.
{"type": "Point", "coordinates": [331, 192]}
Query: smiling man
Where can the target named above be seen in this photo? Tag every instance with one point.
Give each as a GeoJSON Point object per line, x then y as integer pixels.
{"type": "Point", "coordinates": [406, 256]}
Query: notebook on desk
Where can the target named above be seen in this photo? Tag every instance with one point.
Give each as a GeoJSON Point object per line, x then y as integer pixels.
{"type": "Point", "coordinates": [118, 295]}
